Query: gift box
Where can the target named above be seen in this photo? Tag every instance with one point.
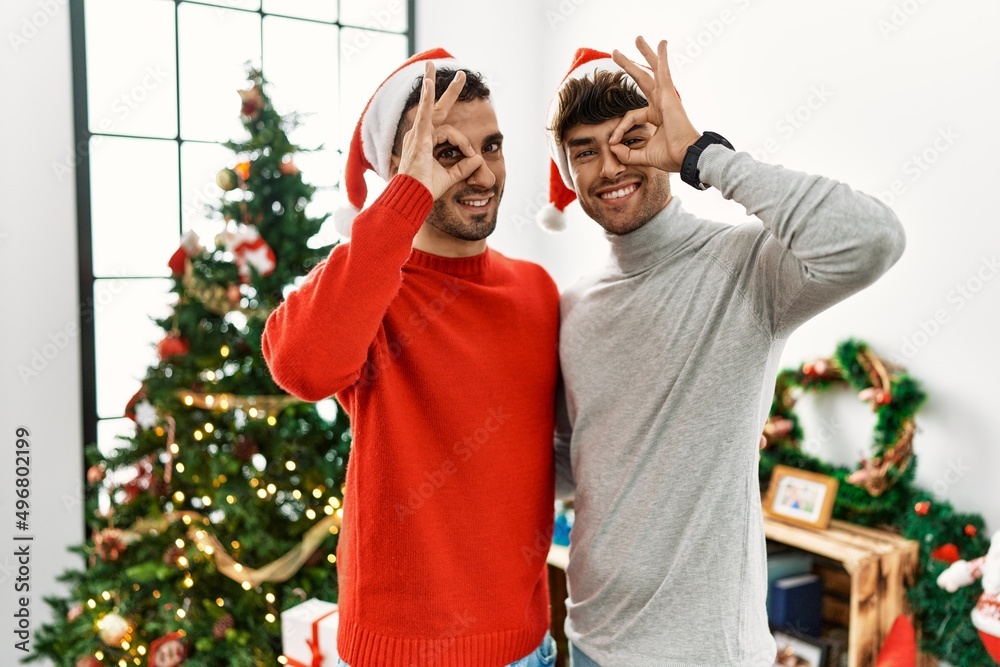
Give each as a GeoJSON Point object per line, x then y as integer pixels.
{"type": "Point", "coordinates": [309, 634]}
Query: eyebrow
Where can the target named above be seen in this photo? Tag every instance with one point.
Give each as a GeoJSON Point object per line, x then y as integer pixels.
{"type": "Point", "coordinates": [496, 136]}
{"type": "Point", "coordinates": [589, 141]}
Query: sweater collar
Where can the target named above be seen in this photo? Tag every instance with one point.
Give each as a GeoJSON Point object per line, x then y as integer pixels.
{"type": "Point", "coordinates": [653, 242]}
{"type": "Point", "coordinates": [453, 266]}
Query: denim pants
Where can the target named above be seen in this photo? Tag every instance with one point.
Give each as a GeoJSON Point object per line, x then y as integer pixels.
{"type": "Point", "coordinates": [543, 656]}
{"type": "Point", "coordinates": [578, 658]}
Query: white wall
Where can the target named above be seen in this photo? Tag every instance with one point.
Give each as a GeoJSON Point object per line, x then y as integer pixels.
{"type": "Point", "coordinates": [38, 293]}
{"type": "Point", "coordinates": [886, 80]}
{"type": "Point", "coordinates": [889, 98]}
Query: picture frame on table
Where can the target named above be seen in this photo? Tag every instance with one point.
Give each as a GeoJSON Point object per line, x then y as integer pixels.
{"type": "Point", "coordinates": [799, 650]}
{"type": "Point", "coordinates": [801, 497]}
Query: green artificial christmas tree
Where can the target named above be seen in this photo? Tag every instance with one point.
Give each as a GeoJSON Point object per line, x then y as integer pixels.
{"type": "Point", "coordinates": [232, 510]}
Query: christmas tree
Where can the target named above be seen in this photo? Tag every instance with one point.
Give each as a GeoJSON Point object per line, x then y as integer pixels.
{"type": "Point", "coordinates": [222, 510]}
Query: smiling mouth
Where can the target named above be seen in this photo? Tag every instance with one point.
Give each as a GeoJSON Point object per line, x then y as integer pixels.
{"type": "Point", "coordinates": [477, 204]}
{"type": "Point", "coordinates": [619, 193]}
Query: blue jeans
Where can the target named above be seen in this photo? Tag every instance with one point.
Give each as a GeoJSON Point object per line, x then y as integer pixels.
{"type": "Point", "coordinates": [543, 656]}
{"type": "Point", "coordinates": [578, 658]}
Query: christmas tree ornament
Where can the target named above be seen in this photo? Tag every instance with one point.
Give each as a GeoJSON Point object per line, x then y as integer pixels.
{"type": "Point", "coordinates": [252, 102]}
{"type": "Point", "coordinates": [242, 170]}
{"type": "Point", "coordinates": [172, 345]}
{"type": "Point", "coordinates": [227, 179]}
{"type": "Point", "coordinates": [288, 168]}
{"type": "Point", "coordinates": [245, 448]}
{"type": "Point", "coordinates": [250, 250]}
{"type": "Point", "coordinates": [109, 544]}
{"type": "Point", "coordinates": [145, 415]}
{"type": "Point", "coordinates": [168, 651]}
{"type": "Point", "coordinates": [171, 555]}
{"type": "Point", "coordinates": [74, 612]}
{"type": "Point", "coordinates": [95, 473]}
{"type": "Point", "coordinates": [112, 629]}
{"type": "Point", "coordinates": [986, 615]}
{"type": "Point", "coordinates": [946, 553]}
{"type": "Point", "coordinates": [233, 295]}
{"type": "Point", "coordinates": [223, 625]}
{"type": "Point", "coordinates": [88, 661]}
{"type": "Point", "coordinates": [190, 247]}
{"type": "Point", "coordinates": [971, 530]}
{"type": "Point", "coordinates": [922, 508]}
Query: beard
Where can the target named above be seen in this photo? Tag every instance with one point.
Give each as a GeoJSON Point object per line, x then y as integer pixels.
{"type": "Point", "coordinates": [446, 217]}
{"type": "Point", "coordinates": [653, 193]}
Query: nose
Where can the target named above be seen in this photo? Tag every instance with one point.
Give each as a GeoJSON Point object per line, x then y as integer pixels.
{"type": "Point", "coordinates": [610, 166]}
{"type": "Point", "coordinates": [482, 177]}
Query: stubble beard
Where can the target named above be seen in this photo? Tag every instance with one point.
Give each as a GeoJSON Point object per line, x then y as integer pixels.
{"type": "Point", "coordinates": [445, 218]}
{"type": "Point", "coordinates": [654, 193]}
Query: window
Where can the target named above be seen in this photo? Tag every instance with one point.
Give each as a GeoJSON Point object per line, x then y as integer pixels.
{"type": "Point", "coordinates": [155, 86]}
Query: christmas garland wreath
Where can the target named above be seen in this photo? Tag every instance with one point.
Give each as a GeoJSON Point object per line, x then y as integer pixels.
{"type": "Point", "coordinates": [881, 492]}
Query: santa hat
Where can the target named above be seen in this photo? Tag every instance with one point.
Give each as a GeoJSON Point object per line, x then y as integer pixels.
{"type": "Point", "coordinates": [561, 193]}
{"type": "Point", "coordinates": [375, 134]}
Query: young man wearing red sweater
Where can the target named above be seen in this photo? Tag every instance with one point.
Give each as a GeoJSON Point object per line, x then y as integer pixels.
{"type": "Point", "coordinates": [444, 353]}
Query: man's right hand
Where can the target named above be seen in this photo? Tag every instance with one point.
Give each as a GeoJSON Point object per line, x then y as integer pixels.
{"type": "Point", "coordinates": [429, 130]}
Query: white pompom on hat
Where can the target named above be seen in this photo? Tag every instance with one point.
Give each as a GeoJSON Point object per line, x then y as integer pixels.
{"type": "Point", "coordinates": [375, 133]}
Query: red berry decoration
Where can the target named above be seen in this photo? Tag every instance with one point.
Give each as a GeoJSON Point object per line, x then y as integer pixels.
{"type": "Point", "coordinates": [946, 553]}
{"type": "Point", "coordinates": [88, 661]}
{"type": "Point", "coordinates": [971, 530]}
{"type": "Point", "coordinates": [922, 508]}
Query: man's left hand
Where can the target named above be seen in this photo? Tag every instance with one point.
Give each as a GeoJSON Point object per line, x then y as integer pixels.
{"type": "Point", "coordinates": [673, 133]}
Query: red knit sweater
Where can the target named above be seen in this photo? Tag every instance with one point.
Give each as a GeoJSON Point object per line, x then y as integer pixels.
{"type": "Point", "coordinates": [447, 368]}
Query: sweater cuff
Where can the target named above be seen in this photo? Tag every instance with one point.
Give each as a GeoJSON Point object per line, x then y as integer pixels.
{"type": "Point", "coordinates": [407, 197]}
{"type": "Point", "coordinates": [711, 163]}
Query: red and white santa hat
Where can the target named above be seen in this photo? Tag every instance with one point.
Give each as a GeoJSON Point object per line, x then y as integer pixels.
{"type": "Point", "coordinates": [561, 193]}
{"type": "Point", "coordinates": [371, 145]}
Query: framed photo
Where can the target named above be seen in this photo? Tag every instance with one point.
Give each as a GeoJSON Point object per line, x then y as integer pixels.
{"type": "Point", "coordinates": [804, 498]}
{"type": "Point", "coordinates": [795, 650]}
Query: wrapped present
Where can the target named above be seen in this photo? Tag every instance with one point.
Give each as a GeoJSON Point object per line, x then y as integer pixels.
{"type": "Point", "coordinates": [309, 634]}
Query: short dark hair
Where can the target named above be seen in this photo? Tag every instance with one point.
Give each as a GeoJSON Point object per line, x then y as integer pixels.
{"type": "Point", "coordinates": [594, 100]}
{"type": "Point", "coordinates": [475, 89]}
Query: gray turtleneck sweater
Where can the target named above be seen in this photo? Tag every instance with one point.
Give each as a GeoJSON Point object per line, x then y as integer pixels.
{"type": "Point", "coordinates": [669, 356]}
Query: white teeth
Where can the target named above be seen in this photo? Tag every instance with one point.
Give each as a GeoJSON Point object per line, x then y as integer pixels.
{"type": "Point", "coordinates": [623, 192]}
{"type": "Point", "coordinates": [478, 202]}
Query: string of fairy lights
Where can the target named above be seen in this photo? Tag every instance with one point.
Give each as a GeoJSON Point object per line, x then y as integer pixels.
{"type": "Point", "coordinates": [115, 630]}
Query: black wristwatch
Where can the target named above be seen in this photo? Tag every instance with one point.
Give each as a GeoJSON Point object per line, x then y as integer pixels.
{"type": "Point", "coordinates": [689, 168]}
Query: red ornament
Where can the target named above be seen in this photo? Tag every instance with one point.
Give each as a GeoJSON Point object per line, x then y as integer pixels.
{"type": "Point", "coordinates": [171, 346]}
{"type": "Point", "coordinates": [922, 508]}
{"type": "Point", "coordinates": [252, 102]}
{"type": "Point", "coordinates": [946, 553]}
{"type": "Point", "coordinates": [971, 530]}
{"type": "Point", "coordinates": [288, 168]}
{"type": "Point", "coordinates": [808, 369]}
{"type": "Point", "coordinates": [168, 651]}
{"type": "Point", "coordinates": [88, 661]}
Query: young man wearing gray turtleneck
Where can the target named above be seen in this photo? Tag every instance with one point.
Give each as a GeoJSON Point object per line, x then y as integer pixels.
{"type": "Point", "coordinates": [669, 357]}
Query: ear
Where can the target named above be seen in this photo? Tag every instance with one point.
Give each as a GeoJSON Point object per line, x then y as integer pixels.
{"type": "Point", "coordinates": [393, 165]}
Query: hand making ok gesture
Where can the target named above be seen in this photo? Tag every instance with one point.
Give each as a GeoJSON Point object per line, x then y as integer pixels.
{"type": "Point", "coordinates": [673, 133]}
{"type": "Point", "coordinates": [429, 130]}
